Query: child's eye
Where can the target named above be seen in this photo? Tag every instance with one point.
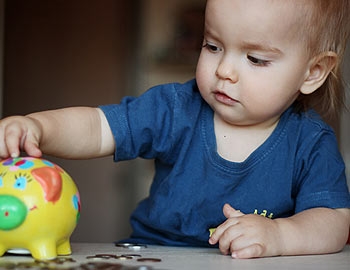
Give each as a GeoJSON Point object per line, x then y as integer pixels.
{"type": "Point", "coordinates": [257, 62]}
{"type": "Point", "coordinates": [211, 47]}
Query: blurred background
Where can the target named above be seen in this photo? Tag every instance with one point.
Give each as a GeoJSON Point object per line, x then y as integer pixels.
{"type": "Point", "coordinates": [62, 53]}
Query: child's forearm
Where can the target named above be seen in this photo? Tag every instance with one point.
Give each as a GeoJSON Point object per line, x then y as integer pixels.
{"type": "Point", "coordinates": [314, 231]}
{"type": "Point", "coordinates": [75, 132]}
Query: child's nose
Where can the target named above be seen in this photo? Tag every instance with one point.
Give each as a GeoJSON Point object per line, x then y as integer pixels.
{"type": "Point", "coordinates": [226, 70]}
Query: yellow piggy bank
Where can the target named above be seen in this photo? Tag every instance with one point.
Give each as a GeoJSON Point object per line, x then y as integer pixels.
{"type": "Point", "coordinates": [39, 207]}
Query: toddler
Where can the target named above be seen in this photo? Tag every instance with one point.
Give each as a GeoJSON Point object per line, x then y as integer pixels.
{"type": "Point", "coordinates": [239, 150]}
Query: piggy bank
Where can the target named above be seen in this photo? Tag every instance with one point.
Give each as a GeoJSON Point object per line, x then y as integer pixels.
{"type": "Point", "coordinates": [39, 208]}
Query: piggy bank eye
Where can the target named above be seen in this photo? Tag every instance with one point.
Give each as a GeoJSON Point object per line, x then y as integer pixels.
{"type": "Point", "coordinates": [21, 183]}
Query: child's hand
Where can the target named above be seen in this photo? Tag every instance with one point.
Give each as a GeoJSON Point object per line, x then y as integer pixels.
{"type": "Point", "coordinates": [19, 133]}
{"type": "Point", "coordinates": [246, 236]}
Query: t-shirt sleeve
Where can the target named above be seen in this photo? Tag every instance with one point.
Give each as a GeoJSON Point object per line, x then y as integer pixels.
{"type": "Point", "coordinates": [141, 126]}
{"type": "Point", "coordinates": [153, 124]}
{"type": "Point", "coordinates": [322, 174]}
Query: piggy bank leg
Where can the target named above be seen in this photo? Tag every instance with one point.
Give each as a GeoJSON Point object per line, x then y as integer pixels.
{"type": "Point", "coordinates": [2, 250]}
{"type": "Point", "coordinates": [45, 250]}
{"type": "Point", "coordinates": [64, 248]}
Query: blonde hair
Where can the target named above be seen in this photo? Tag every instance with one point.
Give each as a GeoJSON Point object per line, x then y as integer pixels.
{"type": "Point", "coordinates": [326, 29]}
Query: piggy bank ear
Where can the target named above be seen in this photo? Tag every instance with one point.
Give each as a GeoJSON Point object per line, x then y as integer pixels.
{"type": "Point", "coordinates": [51, 182]}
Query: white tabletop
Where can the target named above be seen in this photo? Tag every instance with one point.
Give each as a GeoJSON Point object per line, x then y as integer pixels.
{"type": "Point", "coordinates": [160, 257]}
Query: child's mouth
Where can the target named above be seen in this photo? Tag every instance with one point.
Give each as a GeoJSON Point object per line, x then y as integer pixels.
{"type": "Point", "coordinates": [225, 99]}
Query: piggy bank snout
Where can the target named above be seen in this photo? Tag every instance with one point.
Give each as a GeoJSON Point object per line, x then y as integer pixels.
{"type": "Point", "coordinates": [13, 212]}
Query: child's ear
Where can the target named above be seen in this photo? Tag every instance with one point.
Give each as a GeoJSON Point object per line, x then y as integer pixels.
{"type": "Point", "coordinates": [320, 67]}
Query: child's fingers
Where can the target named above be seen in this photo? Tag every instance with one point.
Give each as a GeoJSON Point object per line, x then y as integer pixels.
{"type": "Point", "coordinates": [14, 139]}
{"type": "Point", "coordinates": [3, 150]}
{"type": "Point", "coordinates": [32, 149]}
{"type": "Point", "coordinates": [11, 142]}
{"type": "Point", "coordinates": [223, 231]}
{"type": "Point", "coordinates": [230, 212]}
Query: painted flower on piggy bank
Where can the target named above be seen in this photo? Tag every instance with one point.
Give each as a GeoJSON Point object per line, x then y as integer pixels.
{"type": "Point", "coordinates": [39, 207]}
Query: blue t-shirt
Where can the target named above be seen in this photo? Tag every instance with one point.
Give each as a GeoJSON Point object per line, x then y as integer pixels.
{"type": "Point", "coordinates": [298, 167]}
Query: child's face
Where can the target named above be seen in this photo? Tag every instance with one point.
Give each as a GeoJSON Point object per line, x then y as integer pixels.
{"type": "Point", "coordinates": [253, 62]}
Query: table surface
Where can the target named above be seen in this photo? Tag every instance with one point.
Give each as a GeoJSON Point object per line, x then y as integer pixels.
{"type": "Point", "coordinates": [161, 257]}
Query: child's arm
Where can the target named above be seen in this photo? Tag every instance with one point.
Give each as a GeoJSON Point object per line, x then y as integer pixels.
{"type": "Point", "coordinates": [77, 132]}
{"type": "Point", "coordinates": [313, 231]}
